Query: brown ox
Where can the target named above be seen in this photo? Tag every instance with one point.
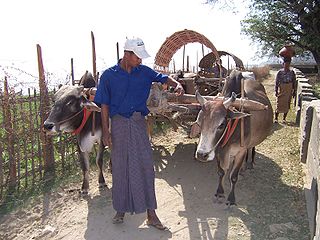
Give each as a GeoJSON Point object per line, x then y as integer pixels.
{"type": "Point", "coordinates": [72, 113]}
{"type": "Point", "coordinates": [214, 142]}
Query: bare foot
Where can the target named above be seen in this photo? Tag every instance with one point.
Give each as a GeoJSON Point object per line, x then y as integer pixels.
{"type": "Point", "coordinates": [118, 218]}
{"type": "Point", "coordinates": [154, 221]}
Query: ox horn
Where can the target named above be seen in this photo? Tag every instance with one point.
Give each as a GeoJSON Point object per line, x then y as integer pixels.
{"type": "Point", "coordinates": [227, 103]}
{"type": "Point", "coordinates": [200, 98]}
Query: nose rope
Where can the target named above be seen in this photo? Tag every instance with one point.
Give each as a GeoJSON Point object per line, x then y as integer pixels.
{"type": "Point", "coordinates": [222, 136]}
{"type": "Point", "coordinates": [224, 133]}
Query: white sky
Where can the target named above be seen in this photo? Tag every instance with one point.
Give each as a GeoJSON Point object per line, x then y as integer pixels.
{"type": "Point", "coordinates": [63, 27]}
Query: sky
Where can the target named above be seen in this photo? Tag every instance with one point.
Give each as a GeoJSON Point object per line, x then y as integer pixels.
{"type": "Point", "coordinates": [63, 30]}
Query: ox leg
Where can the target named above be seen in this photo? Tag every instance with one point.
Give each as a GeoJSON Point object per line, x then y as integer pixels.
{"type": "Point", "coordinates": [99, 162]}
{"type": "Point", "coordinates": [250, 157]}
{"type": "Point", "coordinates": [249, 160]}
{"type": "Point", "coordinates": [84, 163]}
{"type": "Point", "coordinates": [234, 173]}
{"type": "Point", "coordinates": [220, 190]}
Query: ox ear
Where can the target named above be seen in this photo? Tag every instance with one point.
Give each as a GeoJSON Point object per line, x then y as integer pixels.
{"type": "Point", "coordinates": [80, 89]}
{"type": "Point", "coordinates": [195, 130]}
{"type": "Point", "coordinates": [200, 98]}
{"type": "Point", "coordinates": [91, 106]}
{"type": "Point", "coordinates": [196, 126]}
{"type": "Point", "coordinates": [235, 115]}
{"type": "Point", "coordinates": [228, 103]}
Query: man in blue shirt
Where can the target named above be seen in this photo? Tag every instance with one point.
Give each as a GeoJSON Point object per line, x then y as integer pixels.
{"type": "Point", "coordinates": [123, 91]}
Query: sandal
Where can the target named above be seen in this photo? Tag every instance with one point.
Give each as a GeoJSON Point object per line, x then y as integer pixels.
{"type": "Point", "coordinates": [117, 219]}
{"type": "Point", "coordinates": [157, 225]}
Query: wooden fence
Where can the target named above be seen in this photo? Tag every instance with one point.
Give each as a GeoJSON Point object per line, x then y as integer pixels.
{"type": "Point", "coordinates": [26, 153]}
{"type": "Point", "coordinates": [22, 151]}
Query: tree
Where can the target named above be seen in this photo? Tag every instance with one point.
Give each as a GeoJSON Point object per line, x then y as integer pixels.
{"type": "Point", "coordinates": [273, 23]}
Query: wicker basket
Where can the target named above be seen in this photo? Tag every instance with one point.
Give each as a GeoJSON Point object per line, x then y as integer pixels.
{"type": "Point", "coordinates": [175, 42]}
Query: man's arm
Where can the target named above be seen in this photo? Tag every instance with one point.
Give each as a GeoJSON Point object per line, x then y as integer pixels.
{"type": "Point", "coordinates": [177, 86]}
{"type": "Point", "coordinates": [106, 137]}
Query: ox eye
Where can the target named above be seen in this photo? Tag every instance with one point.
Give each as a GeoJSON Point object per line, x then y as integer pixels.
{"type": "Point", "coordinates": [222, 126]}
{"type": "Point", "coordinates": [70, 102]}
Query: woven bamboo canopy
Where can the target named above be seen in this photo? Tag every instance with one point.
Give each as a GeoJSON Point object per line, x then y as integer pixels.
{"type": "Point", "coordinates": [175, 42]}
{"type": "Point", "coordinates": [208, 60]}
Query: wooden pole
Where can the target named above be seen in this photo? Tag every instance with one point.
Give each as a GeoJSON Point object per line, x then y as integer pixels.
{"type": "Point", "coordinates": [202, 50]}
{"type": "Point", "coordinates": [242, 119]}
{"type": "Point", "coordinates": [94, 65]}
{"type": "Point", "coordinates": [118, 57]}
{"type": "Point", "coordinates": [46, 141]}
{"type": "Point", "coordinates": [188, 64]}
{"type": "Point", "coordinates": [72, 72]}
{"type": "Point", "coordinates": [184, 50]}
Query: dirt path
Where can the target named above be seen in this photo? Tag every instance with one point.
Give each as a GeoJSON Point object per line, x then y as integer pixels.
{"type": "Point", "coordinates": [270, 199]}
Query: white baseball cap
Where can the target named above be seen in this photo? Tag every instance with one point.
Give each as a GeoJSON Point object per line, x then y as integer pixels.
{"type": "Point", "coordinates": [136, 45]}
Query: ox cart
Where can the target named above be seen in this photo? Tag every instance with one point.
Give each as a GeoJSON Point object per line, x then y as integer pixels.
{"type": "Point", "coordinates": [205, 81]}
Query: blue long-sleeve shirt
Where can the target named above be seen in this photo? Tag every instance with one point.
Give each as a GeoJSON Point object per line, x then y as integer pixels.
{"type": "Point", "coordinates": [125, 92]}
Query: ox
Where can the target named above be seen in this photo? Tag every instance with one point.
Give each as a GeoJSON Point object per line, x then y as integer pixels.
{"type": "Point", "coordinates": [72, 113]}
{"type": "Point", "coordinates": [217, 142]}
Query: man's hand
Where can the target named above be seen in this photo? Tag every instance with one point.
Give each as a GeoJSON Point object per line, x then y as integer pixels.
{"type": "Point", "coordinates": [106, 138]}
{"type": "Point", "coordinates": [179, 90]}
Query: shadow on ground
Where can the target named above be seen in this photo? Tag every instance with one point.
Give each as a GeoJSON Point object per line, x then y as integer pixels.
{"type": "Point", "coordinates": [267, 208]}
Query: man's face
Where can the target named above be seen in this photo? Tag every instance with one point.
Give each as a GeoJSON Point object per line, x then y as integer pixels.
{"type": "Point", "coordinates": [286, 65]}
{"type": "Point", "coordinates": [133, 59]}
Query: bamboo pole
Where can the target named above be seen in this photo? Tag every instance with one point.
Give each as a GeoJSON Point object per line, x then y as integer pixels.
{"type": "Point", "coordinates": [46, 141]}
{"type": "Point", "coordinates": [94, 65]}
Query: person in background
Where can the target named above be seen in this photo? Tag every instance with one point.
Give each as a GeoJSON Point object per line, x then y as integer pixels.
{"type": "Point", "coordinates": [216, 69]}
{"type": "Point", "coordinates": [285, 89]}
{"type": "Point", "coordinates": [123, 91]}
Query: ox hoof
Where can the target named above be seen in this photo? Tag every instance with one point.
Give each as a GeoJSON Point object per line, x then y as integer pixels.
{"type": "Point", "coordinates": [229, 207]}
{"type": "Point", "coordinates": [249, 165]}
{"type": "Point", "coordinates": [84, 192]}
{"type": "Point", "coordinates": [103, 185]}
{"type": "Point", "coordinates": [230, 204]}
{"type": "Point", "coordinates": [218, 198]}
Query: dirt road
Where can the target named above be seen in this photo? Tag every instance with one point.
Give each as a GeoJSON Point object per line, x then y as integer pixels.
{"type": "Point", "coordinates": [270, 199]}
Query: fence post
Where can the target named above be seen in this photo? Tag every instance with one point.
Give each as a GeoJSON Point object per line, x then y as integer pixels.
{"type": "Point", "coordinates": [9, 136]}
{"type": "Point", "coordinates": [94, 65]}
{"type": "Point", "coordinates": [46, 141]}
